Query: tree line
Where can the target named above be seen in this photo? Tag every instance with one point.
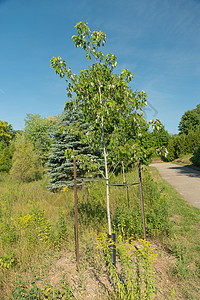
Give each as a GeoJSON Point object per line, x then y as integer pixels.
{"type": "Point", "coordinates": [40, 148]}
{"type": "Point", "coordinates": [187, 141]}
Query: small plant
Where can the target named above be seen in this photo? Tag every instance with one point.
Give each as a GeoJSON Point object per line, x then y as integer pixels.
{"type": "Point", "coordinates": [133, 278]}
{"type": "Point", "coordinates": [52, 293]}
{"type": "Point", "coordinates": [22, 291]}
{"type": "Point", "coordinates": [7, 261]}
{"type": "Point", "coordinates": [32, 292]}
{"type": "Point", "coordinates": [34, 226]}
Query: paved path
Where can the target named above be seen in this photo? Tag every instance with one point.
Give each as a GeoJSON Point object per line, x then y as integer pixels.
{"type": "Point", "coordinates": [185, 180]}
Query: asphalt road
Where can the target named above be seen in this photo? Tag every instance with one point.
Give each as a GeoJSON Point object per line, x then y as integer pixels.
{"type": "Point", "coordinates": [185, 180]}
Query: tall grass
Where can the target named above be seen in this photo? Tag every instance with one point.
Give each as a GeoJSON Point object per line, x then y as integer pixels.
{"type": "Point", "coordinates": [37, 227]}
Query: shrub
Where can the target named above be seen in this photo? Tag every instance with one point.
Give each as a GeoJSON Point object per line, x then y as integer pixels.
{"type": "Point", "coordinates": [195, 159]}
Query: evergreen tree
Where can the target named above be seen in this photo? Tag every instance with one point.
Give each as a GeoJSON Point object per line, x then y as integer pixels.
{"type": "Point", "coordinates": [61, 168]}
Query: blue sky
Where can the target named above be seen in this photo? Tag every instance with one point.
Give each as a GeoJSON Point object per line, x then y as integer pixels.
{"type": "Point", "coordinates": [157, 40]}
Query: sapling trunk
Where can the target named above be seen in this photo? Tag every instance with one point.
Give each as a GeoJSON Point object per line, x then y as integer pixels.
{"type": "Point", "coordinates": [107, 179]}
{"type": "Point", "coordinates": [106, 163]}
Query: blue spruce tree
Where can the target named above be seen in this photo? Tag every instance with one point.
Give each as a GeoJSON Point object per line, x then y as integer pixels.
{"type": "Point", "coordinates": [60, 169]}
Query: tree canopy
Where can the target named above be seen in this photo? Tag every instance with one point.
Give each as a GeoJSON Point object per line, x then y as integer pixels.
{"type": "Point", "coordinates": [190, 121]}
{"type": "Point", "coordinates": [6, 132]}
{"type": "Point", "coordinates": [109, 104]}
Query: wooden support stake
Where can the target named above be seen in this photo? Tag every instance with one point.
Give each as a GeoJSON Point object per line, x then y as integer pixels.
{"type": "Point", "coordinates": [76, 215]}
{"type": "Point", "coordinates": [142, 200]}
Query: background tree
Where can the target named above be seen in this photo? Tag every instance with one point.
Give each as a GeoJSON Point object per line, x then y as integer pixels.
{"type": "Point", "coordinates": [109, 104]}
{"type": "Point", "coordinates": [6, 132]}
{"type": "Point", "coordinates": [25, 163]}
{"type": "Point", "coordinates": [188, 138]}
{"type": "Point", "coordinates": [190, 121]}
{"type": "Point", "coordinates": [6, 147]}
{"type": "Point", "coordinates": [60, 168]}
{"type": "Point", "coordinates": [6, 154]}
{"type": "Point", "coordinates": [195, 159]}
{"type": "Point", "coordinates": [160, 137]}
{"type": "Point", "coordinates": [40, 131]}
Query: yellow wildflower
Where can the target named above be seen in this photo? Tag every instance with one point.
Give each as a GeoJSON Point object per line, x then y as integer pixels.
{"type": "Point", "coordinates": [65, 189]}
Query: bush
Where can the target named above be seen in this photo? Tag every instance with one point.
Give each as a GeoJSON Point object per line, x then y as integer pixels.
{"type": "Point", "coordinates": [182, 144]}
{"type": "Point", "coordinates": [195, 159]}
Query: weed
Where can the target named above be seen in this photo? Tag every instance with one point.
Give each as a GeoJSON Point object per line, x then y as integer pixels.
{"type": "Point", "coordinates": [33, 292]}
{"type": "Point", "coordinates": [62, 228]}
{"type": "Point", "coordinates": [7, 261]}
{"type": "Point", "coordinates": [133, 279]}
{"type": "Point", "coordinates": [34, 227]}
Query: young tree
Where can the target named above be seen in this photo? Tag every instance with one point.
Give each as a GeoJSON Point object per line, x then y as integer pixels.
{"type": "Point", "coordinates": [109, 104]}
{"type": "Point", "coordinates": [60, 168]}
{"type": "Point", "coordinates": [40, 131]}
{"type": "Point", "coordinates": [25, 162]}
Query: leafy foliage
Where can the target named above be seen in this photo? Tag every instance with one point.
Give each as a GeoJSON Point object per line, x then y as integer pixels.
{"type": "Point", "coordinates": [7, 261]}
{"type": "Point", "coordinates": [188, 138]}
{"type": "Point", "coordinates": [40, 132]}
{"type": "Point", "coordinates": [26, 164]}
{"type": "Point", "coordinates": [6, 132]}
{"type": "Point", "coordinates": [190, 121]}
{"type": "Point", "coordinates": [108, 102]}
{"type": "Point", "coordinates": [6, 154]}
{"type": "Point", "coordinates": [6, 147]}
{"type": "Point", "coordinates": [195, 159]}
{"type": "Point", "coordinates": [33, 292]}
{"type": "Point", "coordinates": [182, 144]}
